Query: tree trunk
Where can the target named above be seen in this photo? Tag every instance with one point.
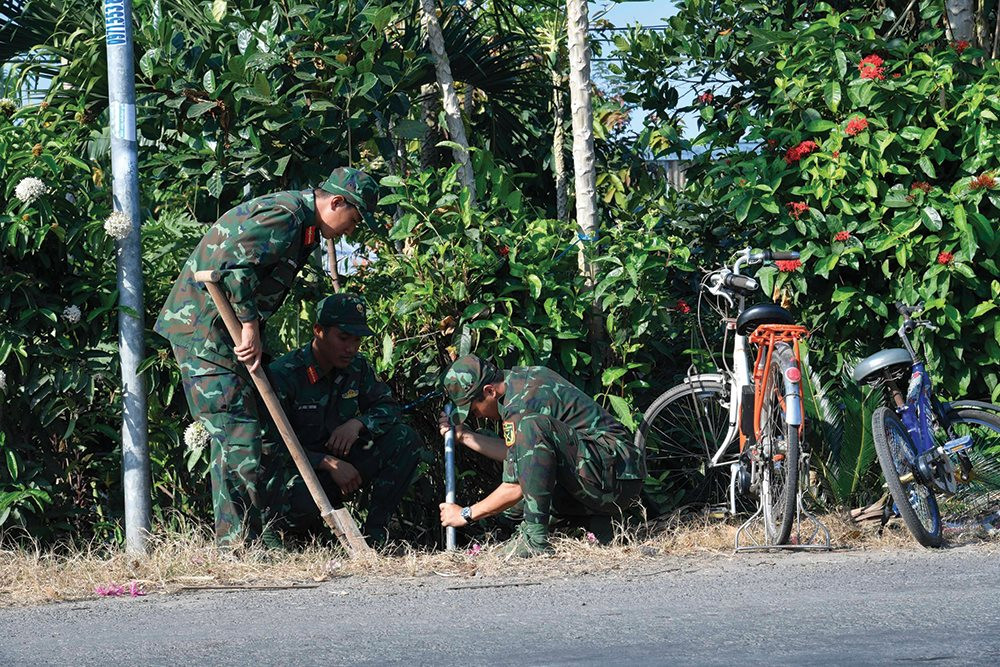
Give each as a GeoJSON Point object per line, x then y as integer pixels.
{"type": "Point", "coordinates": [585, 175]}
{"type": "Point", "coordinates": [559, 146]}
{"type": "Point", "coordinates": [452, 111]}
{"type": "Point", "coordinates": [429, 113]}
{"type": "Point", "coordinates": [962, 19]}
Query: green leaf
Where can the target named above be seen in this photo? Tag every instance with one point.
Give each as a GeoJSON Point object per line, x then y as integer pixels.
{"type": "Point", "coordinates": [843, 293]}
{"type": "Point", "coordinates": [261, 85]}
{"type": "Point", "coordinates": [931, 218]}
{"type": "Point", "coordinates": [820, 125]}
{"type": "Point", "coordinates": [214, 184]}
{"type": "Point", "coordinates": [609, 376]}
{"type": "Point", "coordinates": [218, 10]}
{"type": "Point", "coordinates": [832, 95]}
{"type": "Point", "coordinates": [388, 345]}
{"type": "Point", "coordinates": [707, 113]}
{"type": "Point", "coordinates": [927, 138]}
{"type": "Point", "coordinates": [209, 82]}
{"type": "Point", "coordinates": [535, 285]}
{"type": "Point", "coordinates": [928, 168]}
{"type": "Point", "coordinates": [199, 108]}
{"type": "Point", "coordinates": [12, 463]}
{"type": "Point", "coordinates": [623, 411]}
{"type": "Point", "coordinates": [982, 309]}
{"type": "Point", "coordinates": [281, 165]}
{"type": "Point", "coordinates": [841, 63]}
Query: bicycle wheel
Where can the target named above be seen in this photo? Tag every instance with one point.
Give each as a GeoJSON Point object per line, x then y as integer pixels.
{"type": "Point", "coordinates": [778, 453]}
{"type": "Point", "coordinates": [980, 495]}
{"type": "Point", "coordinates": [680, 433]}
{"type": "Point", "coordinates": [914, 500]}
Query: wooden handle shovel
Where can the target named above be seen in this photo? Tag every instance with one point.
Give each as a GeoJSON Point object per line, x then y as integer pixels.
{"type": "Point", "coordinates": [339, 520]}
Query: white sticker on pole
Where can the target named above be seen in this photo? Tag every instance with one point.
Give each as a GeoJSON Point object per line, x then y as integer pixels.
{"type": "Point", "coordinates": [122, 121]}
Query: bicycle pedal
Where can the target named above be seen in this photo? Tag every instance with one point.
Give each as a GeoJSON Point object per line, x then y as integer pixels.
{"type": "Point", "coordinates": [957, 445]}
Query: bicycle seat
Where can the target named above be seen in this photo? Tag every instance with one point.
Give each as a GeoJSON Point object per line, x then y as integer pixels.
{"type": "Point", "coordinates": [871, 369]}
{"type": "Point", "coordinates": [762, 313]}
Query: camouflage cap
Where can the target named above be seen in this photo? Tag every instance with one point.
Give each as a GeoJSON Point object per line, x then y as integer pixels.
{"type": "Point", "coordinates": [358, 188]}
{"type": "Point", "coordinates": [464, 380]}
{"type": "Point", "coordinates": [345, 311]}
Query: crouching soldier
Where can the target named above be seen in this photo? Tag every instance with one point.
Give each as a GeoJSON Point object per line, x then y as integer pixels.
{"type": "Point", "coordinates": [562, 452]}
{"type": "Point", "coordinates": [346, 419]}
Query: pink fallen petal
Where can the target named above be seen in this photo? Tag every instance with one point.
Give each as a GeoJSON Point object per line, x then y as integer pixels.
{"type": "Point", "coordinates": [474, 550]}
{"type": "Point", "coordinates": [135, 590]}
{"type": "Point", "coordinates": [110, 590]}
{"type": "Point", "coordinates": [591, 538]}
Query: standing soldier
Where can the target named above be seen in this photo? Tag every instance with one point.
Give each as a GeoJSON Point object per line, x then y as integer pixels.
{"type": "Point", "coordinates": [562, 452]}
{"type": "Point", "coordinates": [348, 422]}
{"type": "Point", "coordinates": [259, 246]}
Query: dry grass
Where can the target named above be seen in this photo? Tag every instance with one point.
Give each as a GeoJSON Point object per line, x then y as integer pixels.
{"type": "Point", "coordinates": [180, 562]}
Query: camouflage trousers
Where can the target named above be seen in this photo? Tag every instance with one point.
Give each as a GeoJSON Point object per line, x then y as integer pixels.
{"type": "Point", "coordinates": [387, 465]}
{"type": "Point", "coordinates": [243, 474]}
{"type": "Point", "coordinates": [567, 473]}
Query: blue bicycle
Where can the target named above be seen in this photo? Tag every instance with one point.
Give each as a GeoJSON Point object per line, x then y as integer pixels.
{"type": "Point", "coordinates": [926, 447]}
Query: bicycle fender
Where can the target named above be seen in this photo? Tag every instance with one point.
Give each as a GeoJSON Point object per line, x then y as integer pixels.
{"type": "Point", "coordinates": [791, 376]}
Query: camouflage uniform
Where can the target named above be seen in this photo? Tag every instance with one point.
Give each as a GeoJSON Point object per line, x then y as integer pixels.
{"type": "Point", "coordinates": [564, 450]}
{"type": "Point", "coordinates": [317, 402]}
{"type": "Point", "coordinates": [260, 246]}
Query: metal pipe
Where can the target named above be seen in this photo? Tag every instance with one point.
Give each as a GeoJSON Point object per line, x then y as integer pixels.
{"type": "Point", "coordinates": [449, 476]}
{"type": "Point", "coordinates": [125, 191]}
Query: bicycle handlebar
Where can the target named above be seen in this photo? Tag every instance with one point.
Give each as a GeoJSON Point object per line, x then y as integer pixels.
{"type": "Point", "coordinates": [906, 311]}
{"type": "Point", "coordinates": [773, 255]}
{"type": "Point", "coordinates": [742, 283]}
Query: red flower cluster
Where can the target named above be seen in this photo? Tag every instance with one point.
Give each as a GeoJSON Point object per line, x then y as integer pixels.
{"type": "Point", "coordinates": [961, 45]}
{"type": "Point", "coordinates": [857, 125]}
{"type": "Point", "coordinates": [836, 154]}
{"type": "Point", "coordinates": [503, 251]}
{"type": "Point", "coordinates": [896, 75]}
{"type": "Point", "coordinates": [796, 153]}
{"type": "Point", "coordinates": [706, 98]}
{"type": "Point", "coordinates": [797, 208]}
{"type": "Point", "coordinates": [945, 258]}
{"type": "Point", "coordinates": [923, 186]}
{"type": "Point", "coordinates": [842, 236]}
{"type": "Point", "coordinates": [984, 181]}
{"type": "Point", "coordinates": [788, 265]}
{"type": "Point", "coordinates": [682, 307]}
{"type": "Point", "coordinates": [871, 67]}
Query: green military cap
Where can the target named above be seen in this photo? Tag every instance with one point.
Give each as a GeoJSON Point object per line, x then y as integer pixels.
{"type": "Point", "coordinates": [358, 188]}
{"type": "Point", "coordinates": [345, 311]}
{"type": "Point", "coordinates": [464, 380]}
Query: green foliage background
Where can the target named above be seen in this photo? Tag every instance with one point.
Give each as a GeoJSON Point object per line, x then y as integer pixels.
{"type": "Point", "coordinates": [241, 98]}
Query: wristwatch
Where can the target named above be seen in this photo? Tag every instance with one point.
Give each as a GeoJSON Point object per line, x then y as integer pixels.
{"type": "Point", "coordinates": [467, 514]}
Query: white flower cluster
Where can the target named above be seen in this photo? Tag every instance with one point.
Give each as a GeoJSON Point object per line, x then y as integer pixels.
{"type": "Point", "coordinates": [7, 106]}
{"type": "Point", "coordinates": [118, 226]}
{"type": "Point", "coordinates": [71, 314]}
{"type": "Point", "coordinates": [30, 189]}
{"type": "Point", "coordinates": [3, 381]}
{"type": "Point", "coordinates": [195, 436]}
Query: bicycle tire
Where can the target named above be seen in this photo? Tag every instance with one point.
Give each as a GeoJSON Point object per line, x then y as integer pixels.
{"type": "Point", "coordinates": [679, 433]}
{"type": "Point", "coordinates": [780, 453]}
{"type": "Point", "coordinates": [896, 453]}
{"type": "Point", "coordinates": [981, 494]}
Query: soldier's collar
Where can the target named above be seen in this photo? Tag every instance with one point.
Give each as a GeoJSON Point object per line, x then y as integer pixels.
{"type": "Point", "coordinates": [313, 369]}
{"type": "Point", "coordinates": [309, 202]}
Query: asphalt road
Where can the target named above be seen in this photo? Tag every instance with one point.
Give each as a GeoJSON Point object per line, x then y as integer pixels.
{"type": "Point", "coordinates": [838, 608]}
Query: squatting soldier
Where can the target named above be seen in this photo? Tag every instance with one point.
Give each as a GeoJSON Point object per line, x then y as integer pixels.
{"type": "Point", "coordinates": [347, 421]}
{"type": "Point", "coordinates": [260, 246]}
{"type": "Point", "coordinates": [562, 452]}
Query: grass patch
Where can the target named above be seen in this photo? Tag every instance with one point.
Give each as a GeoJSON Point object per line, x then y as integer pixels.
{"type": "Point", "coordinates": [190, 561]}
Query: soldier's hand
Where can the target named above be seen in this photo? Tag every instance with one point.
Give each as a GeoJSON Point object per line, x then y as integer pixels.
{"type": "Point", "coordinates": [343, 437]}
{"type": "Point", "coordinates": [451, 515]}
{"type": "Point", "coordinates": [344, 475]}
{"type": "Point", "coordinates": [250, 349]}
{"type": "Point", "coordinates": [444, 425]}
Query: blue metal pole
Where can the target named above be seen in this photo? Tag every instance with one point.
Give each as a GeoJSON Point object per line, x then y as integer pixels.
{"type": "Point", "coordinates": [449, 477]}
{"type": "Point", "coordinates": [125, 191]}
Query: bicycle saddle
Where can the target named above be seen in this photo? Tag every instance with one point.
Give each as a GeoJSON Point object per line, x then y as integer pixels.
{"type": "Point", "coordinates": [870, 370]}
{"type": "Point", "coordinates": [762, 313]}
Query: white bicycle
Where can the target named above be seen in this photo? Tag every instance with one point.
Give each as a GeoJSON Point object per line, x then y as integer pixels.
{"type": "Point", "coordinates": [735, 434]}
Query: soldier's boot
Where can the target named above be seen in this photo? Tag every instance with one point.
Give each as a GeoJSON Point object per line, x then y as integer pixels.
{"type": "Point", "coordinates": [531, 539]}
